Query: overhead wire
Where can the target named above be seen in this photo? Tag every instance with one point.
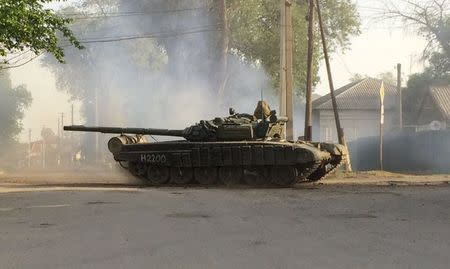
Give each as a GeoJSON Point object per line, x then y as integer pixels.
{"type": "Point", "coordinates": [81, 16]}
{"type": "Point", "coordinates": [104, 14]}
{"type": "Point", "coordinates": [164, 34]}
{"type": "Point", "coordinates": [22, 64]}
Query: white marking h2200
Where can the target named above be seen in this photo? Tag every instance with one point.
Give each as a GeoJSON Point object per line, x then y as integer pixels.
{"type": "Point", "coordinates": [153, 158]}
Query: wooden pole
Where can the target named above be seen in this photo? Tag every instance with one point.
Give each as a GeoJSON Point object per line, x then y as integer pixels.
{"type": "Point", "coordinates": [224, 44]}
{"type": "Point", "coordinates": [71, 115]}
{"type": "Point", "coordinates": [29, 148]}
{"type": "Point", "coordinates": [399, 89]}
{"type": "Point", "coordinates": [381, 123]}
{"type": "Point", "coordinates": [283, 58]}
{"type": "Point", "coordinates": [62, 125]}
{"type": "Point", "coordinates": [289, 75]}
{"type": "Point", "coordinates": [339, 130]}
{"type": "Point", "coordinates": [308, 107]}
{"type": "Point", "coordinates": [381, 146]}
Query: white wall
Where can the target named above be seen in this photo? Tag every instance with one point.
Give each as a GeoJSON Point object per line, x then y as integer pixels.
{"type": "Point", "coordinates": [356, 124]}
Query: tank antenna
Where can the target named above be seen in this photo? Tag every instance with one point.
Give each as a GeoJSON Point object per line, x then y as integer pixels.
{"type": "Point", "coordinates": [262, 100]}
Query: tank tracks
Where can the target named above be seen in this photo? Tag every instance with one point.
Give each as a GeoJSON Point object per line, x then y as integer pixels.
{"type": "Point", "coordinates": [253, 163]}
{"type": "Point", "coordinates": [255, 176]}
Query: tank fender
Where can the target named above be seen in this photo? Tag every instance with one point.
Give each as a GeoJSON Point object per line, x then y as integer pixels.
{"type": "Point", "coordinates": [334, 149]}
{"type": "Point", "coordinates": [310, 154]}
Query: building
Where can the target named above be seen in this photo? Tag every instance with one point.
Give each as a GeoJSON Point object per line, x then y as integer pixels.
{"type": "Point", "coordinates": [359, 111]}
{"type": "Point", "coordinates": [434, 113]}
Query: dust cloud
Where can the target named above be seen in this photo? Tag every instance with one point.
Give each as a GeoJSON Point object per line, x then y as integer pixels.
{"type": "Point", "coordinates": [143, 68]}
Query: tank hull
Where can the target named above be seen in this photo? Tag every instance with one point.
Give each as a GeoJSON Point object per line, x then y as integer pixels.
{"type": "Point", "coordinates": [251, 162]}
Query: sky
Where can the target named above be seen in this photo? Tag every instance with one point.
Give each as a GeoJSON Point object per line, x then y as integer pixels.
{"type": "Point", "coordinates": [378, 49]}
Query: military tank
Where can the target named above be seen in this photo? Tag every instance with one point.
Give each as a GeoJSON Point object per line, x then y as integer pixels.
{"type": "Point", "coordinates": [239, 148]}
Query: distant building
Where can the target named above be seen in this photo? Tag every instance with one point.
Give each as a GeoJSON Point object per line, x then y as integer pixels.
{"type": "Point", "coordinates": [434, 113]}
{"type": "Point", "coordinates": [359, 111]}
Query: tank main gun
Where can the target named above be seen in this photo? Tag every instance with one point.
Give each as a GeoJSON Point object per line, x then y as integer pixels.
{"type": "Point", "coordinates": [119, 130]}
{"type": "Point", "coordinates": [198, 132]}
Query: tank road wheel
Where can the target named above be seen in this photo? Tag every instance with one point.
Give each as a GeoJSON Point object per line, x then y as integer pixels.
{"type": "Point", "coordinates": [158, 175]}
{"type": "Point", "coordinates": [133, 168]}
{"type": "Point", "coordinates": [230, 175]}
{"type": "Point", "coordinates": [141, 169]}
{"type": "Point", "coordinates": [256, 176]}
{"type": "Point", "coordinates": [181, 175]}
{"type": "Point", "coordinates": [283, 176]}
{"type": "Point", "coordinates": [206, 175]}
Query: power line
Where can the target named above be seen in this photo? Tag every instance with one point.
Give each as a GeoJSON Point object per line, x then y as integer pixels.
{"type": "Point", "coordinates": [344, 64]}
{"type": "Point", "coordinates": [82, 16]}
{"type": "Point", "coordinates": [152, 35]}
{"type": "Point", "coordinates": [123, 38]}
{"type": "Point", "coordinates": [22, 64]}
{"type": "Point", "coordinates": [17, 55]}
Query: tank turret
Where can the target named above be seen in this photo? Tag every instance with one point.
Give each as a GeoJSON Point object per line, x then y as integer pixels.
{"type": "Point", "coordinates": [235, 127]}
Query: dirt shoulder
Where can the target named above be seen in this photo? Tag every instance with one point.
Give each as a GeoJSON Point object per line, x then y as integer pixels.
{"type": "Point", "coordinates": [69, 177]}
{"type": "Point", "coordinates": [384, 178]}
{"type": "Point", "coordinates": [117, 177]}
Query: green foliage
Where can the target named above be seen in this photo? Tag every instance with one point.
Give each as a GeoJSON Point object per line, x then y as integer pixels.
{"type": "Point", "coordinates": [439, 65]}
{"type": "Point", "coordinates": [28, 24]}
{"type": "Point", "coordinates": [438, 73]}
{"type": "Point", "coordinates": [13, 102]}
{"type": "Point", "coordinates": [255, 37]}
{"type": "Point", "coordinates": [253, 26]}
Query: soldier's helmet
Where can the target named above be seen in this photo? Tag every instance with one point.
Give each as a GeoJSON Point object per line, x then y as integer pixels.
{"type": "Point", "coordinates": [262, 110]}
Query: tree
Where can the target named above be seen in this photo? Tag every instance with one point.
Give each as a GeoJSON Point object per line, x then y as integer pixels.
{"type": "Point", "coordinates": [431, 19]}
{"type": "Point", "coordinates": [254, 27]}
{"type": "Point", "coordinates": [13, 102]}
{"type": "Point", "coordinates": [29, 25]}
{"type": "Point", "coordinates": [231, 31]}
{"type": "Point", "coordinates": [436, 74]}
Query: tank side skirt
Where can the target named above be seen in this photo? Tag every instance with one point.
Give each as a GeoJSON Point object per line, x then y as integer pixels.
{"type": "Point", "coordinates": [233, 155]}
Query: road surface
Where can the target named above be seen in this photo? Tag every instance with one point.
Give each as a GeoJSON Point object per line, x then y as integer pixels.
{"type": "Point", "coordinates": [312, 227]}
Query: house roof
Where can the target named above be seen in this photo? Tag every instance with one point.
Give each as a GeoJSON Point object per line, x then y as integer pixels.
{"type": "Point", "coordinates": [359, 95]}
{"type": "Point", "coordinates": [441, 97]}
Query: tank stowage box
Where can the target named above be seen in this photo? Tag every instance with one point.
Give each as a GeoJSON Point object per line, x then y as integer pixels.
{"type": "Point", "coordinates": [240, 147]}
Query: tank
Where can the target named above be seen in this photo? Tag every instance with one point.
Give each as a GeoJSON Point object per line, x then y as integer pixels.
{"type": "Point", "coordinates": [239, 148]}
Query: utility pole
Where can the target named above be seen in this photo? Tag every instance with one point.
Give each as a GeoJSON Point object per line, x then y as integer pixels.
{"type": "Point", "coordinates": [286, 66]}
{"type": "Point", "coordinates": [289, 72]}
{"type": "Point", "coordinates": [62, 124]}
{"type": "Point", "coordinates": [308, 107]}
{"type": "Point", "coordinates": [283, 58]}
{"type": "Point", "coordinates": [339, 130]}
{"type": "Point", "coordinates": [29, 148]}
{"type": "Point", "coordinates": [97, 138]}
{"type": "Point", "coordinates": [400, 99]}
{"type": "Point", "coordinates": [59, 127]}
{"type": "Point", "coordinates": [223, 48]}
{"type": "Point", "coordinates": [71, 114]}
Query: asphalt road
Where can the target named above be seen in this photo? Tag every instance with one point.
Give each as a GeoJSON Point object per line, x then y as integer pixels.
{"type": "Point", "coordinates": [324, 227]}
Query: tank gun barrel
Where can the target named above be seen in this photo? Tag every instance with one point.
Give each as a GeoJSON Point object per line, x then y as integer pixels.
{"type": "Point", "coordinates": [118, 130]}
